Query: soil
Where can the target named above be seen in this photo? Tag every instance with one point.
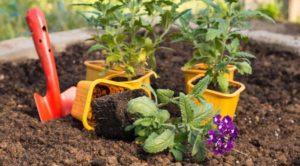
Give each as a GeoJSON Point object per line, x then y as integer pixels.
{"type": "Point", "coordinates": [268, 115]}
{"type": "Point", "coordinates": [123, 79]}
{"type": "Point", "coordinates": [111, 117]}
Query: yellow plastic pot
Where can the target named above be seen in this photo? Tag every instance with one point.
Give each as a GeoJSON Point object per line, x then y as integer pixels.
{"type": "Point", "coordinates": [201, 69]}
{"type": "Point", "coordinates": [223, 102]}
{"type": "Point", "coordinates": [81, 109]}
{"type": "Point", "coordinates": [136, 83]}
{"type": "Point", "coordinates": [94, 68]}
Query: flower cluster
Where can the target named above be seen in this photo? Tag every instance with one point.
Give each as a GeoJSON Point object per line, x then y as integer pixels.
{"type": "Point", "coordinates": [222, 139]}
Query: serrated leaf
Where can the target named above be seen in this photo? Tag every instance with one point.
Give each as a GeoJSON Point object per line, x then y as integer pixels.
{"type": "Point", "coordinates": [96, 47]}
{"type": "Point", "coordinates": [157, 143]}
{"type": "Point", "coordinates": [244, 55]}
{"type": "Point", "coordinates": [164, 95]}
{"type": "Point", "coordinates": [143, 106]}
{"type": "Point", "coordinates": [243, 68]}
{"type": "Point", "coordinates": [233, 46]}
{"type": "Point", "coordinates": [223, 83]}
{"type": "Point", "coordinates": [205, 112]}
{"type": "Point", "coordinates": [201, 86]}
{"type": "Point", "coordinates": [212, 34]}
{"type": "Point", "coordinates": [185, 108]}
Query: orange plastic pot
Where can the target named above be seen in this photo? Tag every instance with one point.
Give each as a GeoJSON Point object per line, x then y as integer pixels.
{"type": "Point", "coordinates": [94, 68]}
{"type": "Point", "coordinates": [136, 83]}
{"type": "Point", "coordinates": [224, 103]}
{"type": "Point", "coordinates": [201, 69]}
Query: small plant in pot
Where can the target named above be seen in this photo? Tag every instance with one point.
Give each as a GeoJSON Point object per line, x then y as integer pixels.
{"type": "Point", "coordinates": [130, 36]}
{"type": "Point", "coordinates": [196, 131]}
{"type": "Point", "coordinates": [215, 34]}
{"type": "Point", "coordinates": [216, 39]}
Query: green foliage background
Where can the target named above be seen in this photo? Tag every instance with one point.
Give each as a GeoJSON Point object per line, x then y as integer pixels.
{"type": "Point", "coordinates": [60, 16]}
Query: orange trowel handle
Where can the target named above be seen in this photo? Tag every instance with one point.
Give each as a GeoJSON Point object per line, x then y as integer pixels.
{"type": "Point", "coordinates": [38, 27]}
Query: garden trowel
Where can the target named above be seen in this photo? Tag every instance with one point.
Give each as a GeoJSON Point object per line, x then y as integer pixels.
{"type": "Point", "coordinates": [54, 105]}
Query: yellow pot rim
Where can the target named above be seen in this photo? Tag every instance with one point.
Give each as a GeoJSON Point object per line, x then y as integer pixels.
{"type": "Point", "coordinates": [148, 74]}
{"type": "Point", "coordinates": [93, 64]}
{"type": "Point", "coordinates": [241, 88]}
{"type": "Point", "coordinates": [195, 69]}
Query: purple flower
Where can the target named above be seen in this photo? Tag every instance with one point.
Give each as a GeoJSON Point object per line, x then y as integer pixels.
{"type": "Point", "coordinates": [222, 139]}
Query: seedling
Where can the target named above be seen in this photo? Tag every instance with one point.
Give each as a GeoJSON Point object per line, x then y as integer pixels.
{"type": "Point", "coordinates": [156, 131]}
{"type": "Point", "coordinates": [215, 35]}
{"type": "Point", "coordinates": [130, 37]}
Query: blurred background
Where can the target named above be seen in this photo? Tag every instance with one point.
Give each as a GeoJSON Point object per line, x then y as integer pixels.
{"type": "Point", "coordinates": [61, 15]}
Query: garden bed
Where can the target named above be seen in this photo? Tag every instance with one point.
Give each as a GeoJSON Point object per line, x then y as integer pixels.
{"type": "Point", "coordinates": [268, 115]}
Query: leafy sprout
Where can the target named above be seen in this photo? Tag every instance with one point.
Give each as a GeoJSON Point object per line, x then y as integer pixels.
{"type": "Point", "coordinates": [157, 131]}
{"type": "Point", "coordinates": [214, 33]}
{"type": "Point", "coordinates": [131, 37]}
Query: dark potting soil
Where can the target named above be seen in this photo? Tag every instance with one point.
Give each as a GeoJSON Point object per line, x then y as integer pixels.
{"type": "Point", "coordinates": [268, 115]}
{"type": "Point", "coordinates": [123, 79]}
{"type": "Point", "coordinates": [111, 117]}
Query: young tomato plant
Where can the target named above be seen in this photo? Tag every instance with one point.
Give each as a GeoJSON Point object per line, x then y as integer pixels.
{"type": "Point", "coordinates": [157, 131]}
{"type": "Point", "coordinates": [215, 34]}
{"type": "Point", "coordinates": [131, 37]}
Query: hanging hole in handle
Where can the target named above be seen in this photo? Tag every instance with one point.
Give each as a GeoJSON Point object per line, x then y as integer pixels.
{"type": "Point", "coordinates": [49, 50]}
{"type": "Point", "coordinates": [44, 28]}
{"type": "Point", "coordinates": [40, 40]}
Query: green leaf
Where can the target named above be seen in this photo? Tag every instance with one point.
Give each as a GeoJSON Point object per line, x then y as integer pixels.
{"type": "Point", "coordinates": [203, 114]}
{"type": "Point", "coordinates": [142, 132]}
{"type": "Point", "coordinates": [201, 86]}
{"type": "Point", "coordinates": [191, 63]}
{"type": "Point", "coordinates": [148, 44]}
{"type": "Point", "coordinates": [243, 68]}
{"type": "Point", "coordinates": [212, 34]}
{"type": "Point", "coordinates": [166, 19]}
{"type": "Point", "coordinates": [234, 45]}
{"type": "Point", "coordinates": [177, 154]}
{"type": "Point", "coordinates": [96, 47]}
{"type": "Point", "coordinates": [149, 87]}
{"type": "Point", "coordinates": [143, 122]}
{"type": "Point", "coordinates": [185, 108]}
{"type": "Point", "coordinates": [254, 13]}
{"type": "Point", "coordinates": [201, 151]}
{"type": "Point", "coordinates": [129, 127]}
{"type": "Point", "coordinates": [111, 58]}
{"type": "Point", "coordinates": [244, 55]}
{"type": "Point", "coordinates": [157, 143]}
{"type": "Point", "coordinates": [143, 106]}
{"type": "Point", "coordinates": [163, 115]}
{"type": "Point", "coordinates": [196, 144]}
{"type": "Point", "coordinates": [165, 95]}
{"type": "Point", "coordinates": [223, 83]}
{"type": "Point", "coordinates": [130, 69]}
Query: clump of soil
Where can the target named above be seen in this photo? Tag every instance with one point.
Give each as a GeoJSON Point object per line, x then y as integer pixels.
{"type": "Point", "coordinates": [111, 116]}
